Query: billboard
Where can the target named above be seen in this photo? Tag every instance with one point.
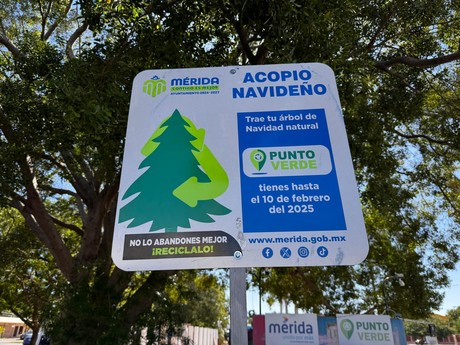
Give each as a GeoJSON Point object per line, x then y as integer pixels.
{"type": "Point", "coordinates": [237, 166]}
{"type": "Point", "coordinates": [328, 332]}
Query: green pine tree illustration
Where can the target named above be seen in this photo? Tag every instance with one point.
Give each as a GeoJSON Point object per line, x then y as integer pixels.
{"type": "Point", "coordinates": [168, 167]}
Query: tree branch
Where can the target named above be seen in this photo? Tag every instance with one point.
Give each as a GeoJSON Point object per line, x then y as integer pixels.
{"type": "Point", "coordinates": [53, 26]}
{"type": "Point", "coordinates": [59, 191]}
{"type": "Point", "coordinates": [383, 25]}
{"type": "Point", "coordinates": [78, 182]}
{"type": "Point", "coordinates": [242, 35]}
{"type": "Point", "coordinates": [11, 47]}
{"type": "Point", "coordinates": [119, 280]}
{"type": "Point", "coordinates": [97, 212]}
{"type": "Point", "coordinates": [422, 136]}
{"type": "Point", "coordinates": [72, 227]}
{"type": "Point", "coordinates": [35, 213]}
{"type": "Point", "coordinates": [415, 62]}
{"type": "Point", "coordinates": [441, 188]}
{"type": "Point", "coordinates": [44, 18]}
{"type": "Point", "coordinates": [76, 34]}
{"type": "Point", "coordinates": [142, 299]}
{"type": "Point", "coordinates": [46, 232]}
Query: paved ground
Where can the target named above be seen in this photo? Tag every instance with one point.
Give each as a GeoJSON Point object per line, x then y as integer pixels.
{"type": "Point", "coordinates": [10, 341]}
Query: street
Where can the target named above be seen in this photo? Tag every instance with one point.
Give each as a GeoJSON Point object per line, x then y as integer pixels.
{"type": "Point", "coordinates": [10, 341]}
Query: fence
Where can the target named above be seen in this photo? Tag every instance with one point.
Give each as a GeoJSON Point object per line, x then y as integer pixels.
{"type": "Point", "coordinates": [191, 335]}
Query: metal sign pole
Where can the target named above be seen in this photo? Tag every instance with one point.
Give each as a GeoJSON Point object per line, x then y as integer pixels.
{"type": "Point", "coordinates": [238, 313]}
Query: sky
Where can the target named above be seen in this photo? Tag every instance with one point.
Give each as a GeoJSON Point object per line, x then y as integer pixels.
{"type": "Point", "coordinates": [452, 294]}
{"type": "Point", "coordinates": [451, 299]}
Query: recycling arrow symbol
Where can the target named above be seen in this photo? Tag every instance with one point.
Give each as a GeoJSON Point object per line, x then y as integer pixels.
{"type": "Point", "coordinates": [191, 191]}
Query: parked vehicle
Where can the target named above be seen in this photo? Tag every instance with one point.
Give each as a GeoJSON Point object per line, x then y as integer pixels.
{"type": "Point", "coordinates": [23, 335]}
{"type": "Point", "coordinates": [28, 340]}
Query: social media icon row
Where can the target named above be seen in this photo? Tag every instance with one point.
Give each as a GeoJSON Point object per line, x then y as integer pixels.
{"type": "Point", "coordinates": [303, 252]}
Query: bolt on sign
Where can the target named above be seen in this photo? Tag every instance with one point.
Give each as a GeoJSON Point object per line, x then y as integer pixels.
{"type": "Point", "coordinates": [237, 166]}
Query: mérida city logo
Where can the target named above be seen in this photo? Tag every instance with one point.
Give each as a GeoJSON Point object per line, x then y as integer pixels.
{"type": "Point", "coordinates": [287, 327]}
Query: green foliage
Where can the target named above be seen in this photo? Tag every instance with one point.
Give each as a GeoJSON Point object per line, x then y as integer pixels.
{"type": "Point", "coordinates": [190, 297]}
{"type": "Point", "coordinates": [420, 329]}
{"type": "Point", "coordinates": [454, 319]}
{"type": "Point", "coordinates": [29, 280]}
{"type": "Point", "coordinates": [403, 134]}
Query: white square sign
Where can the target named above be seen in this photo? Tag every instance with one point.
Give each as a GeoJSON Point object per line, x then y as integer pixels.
{"type": "Point", "coordinates": [290, 329]}
{"type": "Point", "coordinates": [237, 166]}
{"type": "Point", "coordinates": [365, 329]}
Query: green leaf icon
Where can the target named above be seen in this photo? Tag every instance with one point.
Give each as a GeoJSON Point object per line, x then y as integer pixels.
{"type": "Point", "coordinates": [346, 326]}
{"type": "Point", "coordinates": [258, 158]}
